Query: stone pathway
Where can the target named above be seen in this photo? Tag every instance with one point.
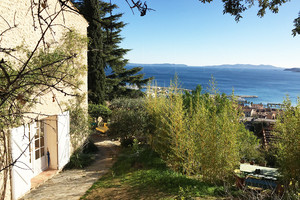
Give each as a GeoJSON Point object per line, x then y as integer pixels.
{"type": "Point", "coordinates": [72, 184]}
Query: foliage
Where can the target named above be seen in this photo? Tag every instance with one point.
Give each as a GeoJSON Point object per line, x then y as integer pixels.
{"type": "Point", "coordinates": [237, 7]}
{"type": "Point", "coordinates": [232, 7]}
{"type": "Point", "coordinates": [79, 160]}
{"type": "Point", "coordinates": [269, 155]}
{"type": "Point", "coordinates": [98, 110]}
{"type": "Point", "coordinates": [296, 30]}
{"type": "Point", "coordinates": [199, 133]}
{"type": "Point", "coordinates": [56, 69]}
{"type": "Point", "coordinates": [83, 156]}
{"type": "Point", "coordinates": [119, 77]}
{"type": "Point", "coordinates": [79, 125]}
{"type": "Point", "coordinates": [249, 148]}
{"type": "Point", "coordinates": [105, 52]}
{"type": "Point", "coordinates": [89, 147]}
{"type": "Point", "coordinates": [91, 10]}
{"type": "Point", "coordinates": [287, 133]}
{"type": "Point", "coordinates": [52, 65]}
{"type": "Point", "coordinates": [128, 119]}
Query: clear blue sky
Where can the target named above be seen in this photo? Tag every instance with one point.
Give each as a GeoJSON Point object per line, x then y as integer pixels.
{"type": "Point", "coordinates": [196, 34]}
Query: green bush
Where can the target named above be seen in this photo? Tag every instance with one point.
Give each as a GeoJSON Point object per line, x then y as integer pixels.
{"type": "Point", "coordinates": [128, 120]}
{"type": "Point", "coordinates": [98, 110]}
{"type": "Point", "coordinates": [89, 147]}
{"type": "Point", "coordinates": [83, 156]}
{"type": "Point", "coordinates": [79, 122]}
{"type": "Point", "coordinates": [79, 160]}
{"type": "Point", "coordinates": [287, 143]}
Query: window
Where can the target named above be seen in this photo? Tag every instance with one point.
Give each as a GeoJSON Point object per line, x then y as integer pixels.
{"type": "Point", "coordinates": [39, 140]}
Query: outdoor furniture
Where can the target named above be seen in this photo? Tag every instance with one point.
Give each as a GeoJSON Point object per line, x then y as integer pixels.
{"type": "Point", "coordinates": [258, 176]}
{"type": "Point", "coordinates": [102, 129]}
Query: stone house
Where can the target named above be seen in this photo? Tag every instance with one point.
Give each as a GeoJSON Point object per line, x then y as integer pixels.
{"type": "Point", "coordinates": [271, 115]}
{"type": "Point", "coordinates": [28, 145]}
{"type": "Point", "coordinates": [257, 106]}
{"type": "Point", "coordinates": [261, 113]}
{"type": "Point", "coordinates": [248, 112]}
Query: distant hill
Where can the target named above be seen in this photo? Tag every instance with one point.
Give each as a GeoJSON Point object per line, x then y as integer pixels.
{"type": "Point", "coordinates": [293, 69]}
{"type": "Point", "coordinates": [241, 66]}
{"type": "Point", "coordinates": [156, 65]}
{"type": "Point", "coordinates": [247, 66]}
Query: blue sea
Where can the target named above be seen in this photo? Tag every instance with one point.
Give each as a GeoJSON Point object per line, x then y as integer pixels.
{"type": "Point", "coordinates": [270, 84]}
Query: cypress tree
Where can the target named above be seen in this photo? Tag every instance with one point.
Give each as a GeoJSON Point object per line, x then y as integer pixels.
{"type": "Point", "coordinates": [96, 74]}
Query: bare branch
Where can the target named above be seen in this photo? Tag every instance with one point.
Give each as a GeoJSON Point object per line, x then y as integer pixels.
{"type": "Point", "coordinates": [142, 7]}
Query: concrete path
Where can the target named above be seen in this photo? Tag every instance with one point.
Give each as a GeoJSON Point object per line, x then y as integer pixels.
{"type": "Point", "coordinates": [72, 184]}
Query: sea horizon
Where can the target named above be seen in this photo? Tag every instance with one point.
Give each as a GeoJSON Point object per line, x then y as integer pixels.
{"type": "Point", "coordinates": [271, 84]}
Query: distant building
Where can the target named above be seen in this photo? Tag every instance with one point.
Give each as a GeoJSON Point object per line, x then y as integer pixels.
{"type": "Point", "coordinates": [271, 115]}
{"type": "Point", "coordinates": [258, 111]}
{"type": "Point", "coordinates": [257, 106]}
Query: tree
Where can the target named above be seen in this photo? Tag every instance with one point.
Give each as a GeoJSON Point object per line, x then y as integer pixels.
{"type": "Point", "coordinates": [296, 30]}
{"type": "Point", "coordinates": [237, 7]}
{"type": "Point", "coordinates": [114, 60]}
{"type": "Point", "coordinates": [128, 120]}
{"type": "Point", "coordinates": [117, 81]}
{"type": "Point", "coordinates": [105, 53]}
{"type": "Point", "coordinates": [199, 133]}
{"type": "Point", "coordinates": [287, 134]}
{"type": "Point", "coordinates": [232, 7]}
{"type": "Point", "coordinates": [96, 74]}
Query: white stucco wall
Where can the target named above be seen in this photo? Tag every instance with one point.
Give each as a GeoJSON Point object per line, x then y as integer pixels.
{"type": "Point", "coordinates": [17, 14]}
{"type": "Point", "coordinates": [3, 182]}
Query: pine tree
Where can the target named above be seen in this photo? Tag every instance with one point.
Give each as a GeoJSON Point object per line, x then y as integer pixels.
{"type": "Point", "coordinates": [96, 74]}
{"type": "Point", "coordinates": [105, 53]}
{"type": "Point", "coordinates": [114, 57]}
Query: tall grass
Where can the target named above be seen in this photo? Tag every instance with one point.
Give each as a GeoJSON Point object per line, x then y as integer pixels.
{"type": "Point", "coordinates": [198, 133]}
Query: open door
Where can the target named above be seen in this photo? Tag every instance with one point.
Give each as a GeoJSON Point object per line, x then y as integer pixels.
{"type": "Point", "coordinates": [63, 138]}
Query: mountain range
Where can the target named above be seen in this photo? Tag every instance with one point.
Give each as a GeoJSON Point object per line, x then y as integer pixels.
{"type": "Point", "coordinates": [242, 66]}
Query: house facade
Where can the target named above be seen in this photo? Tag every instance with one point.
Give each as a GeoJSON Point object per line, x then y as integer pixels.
{"type": "Point", "coordinates": [43, 143]}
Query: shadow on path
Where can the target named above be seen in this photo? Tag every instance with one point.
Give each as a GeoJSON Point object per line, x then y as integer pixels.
{"type": "Point", "coordinates": [72, 184]}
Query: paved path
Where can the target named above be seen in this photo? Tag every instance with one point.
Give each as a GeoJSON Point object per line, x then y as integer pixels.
{"type": "Point", "coordinates": [72, 184]}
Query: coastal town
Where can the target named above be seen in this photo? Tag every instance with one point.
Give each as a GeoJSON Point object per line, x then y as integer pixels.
{"type": "Point", "coordinates": [260, 120]}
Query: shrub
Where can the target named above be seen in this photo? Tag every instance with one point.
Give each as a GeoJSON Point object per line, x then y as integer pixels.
{"type": "Point", "coordinates": [96, 110]}
{"type": "Point", "coordinates": [79, 124]}
{"type": "Point", "coordinates": [89, 147]}
{"type": "Point", "coordinates": [83, 156]}
{"type": "Point", "coordinates": [128, 119]}
{"type": "Point", "coordinates": [287, 143]}
{"type": "Point", "coordinates": [199, 133]}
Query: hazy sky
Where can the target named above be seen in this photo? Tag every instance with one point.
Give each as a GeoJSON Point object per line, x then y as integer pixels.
{"type": "Point", "coordinates": [196, 34]}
